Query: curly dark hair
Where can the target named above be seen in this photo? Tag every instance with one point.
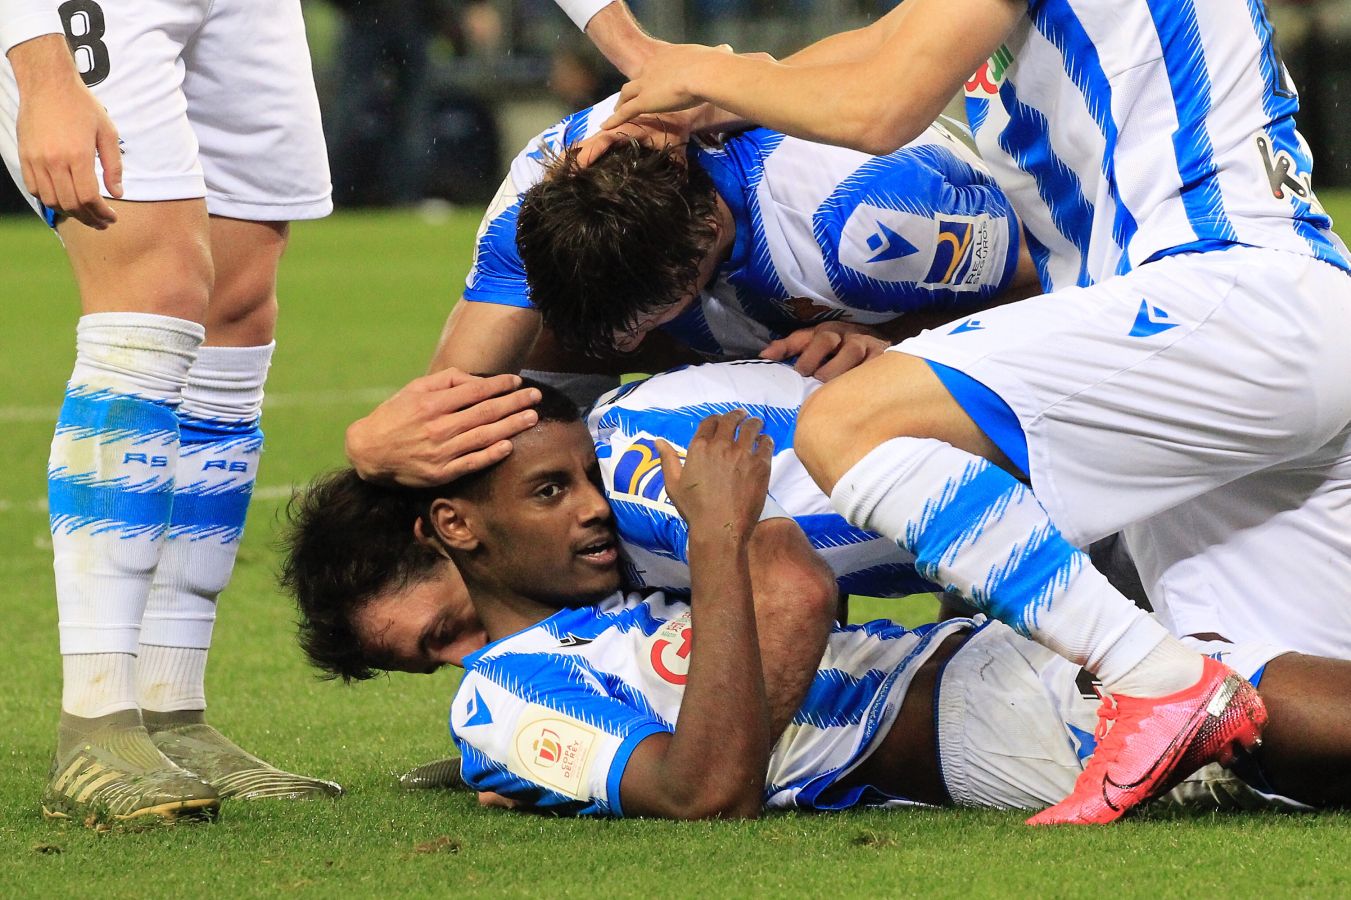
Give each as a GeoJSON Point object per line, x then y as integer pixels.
{"type": "Point", "coordinates": [607, 244]}
{"type": "Point", "coordinates": [347, 541]}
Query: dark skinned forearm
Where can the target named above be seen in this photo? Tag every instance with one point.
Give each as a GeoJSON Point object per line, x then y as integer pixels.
{"type": "Point", "coordinates": [715, 763]}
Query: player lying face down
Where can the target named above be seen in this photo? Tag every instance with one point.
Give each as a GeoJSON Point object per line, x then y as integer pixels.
{"type": "Point", "coordinates": [633, 241]}
{"type": "Point", "coordinates": [614, 250]}
{"type": "Point", "coordinates": [599, 704]}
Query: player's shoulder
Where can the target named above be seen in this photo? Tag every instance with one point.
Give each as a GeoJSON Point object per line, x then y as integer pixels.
{"type": "Point", "coordinates": [696, 389]}
{"type": "Point", "coordinates": [529, 164]}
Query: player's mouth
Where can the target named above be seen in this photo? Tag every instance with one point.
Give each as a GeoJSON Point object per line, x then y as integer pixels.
{"type": "Point", "coordinates": [602, 553]}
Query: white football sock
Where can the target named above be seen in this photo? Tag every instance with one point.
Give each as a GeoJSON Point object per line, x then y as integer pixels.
{"type": "Point", "coordinates": [979, 532]}
{"type": "Point", "coordinates": [110, 489]}
{"type": "Point", "coordinates": [217, 468]}
{"type": "Point", "coordinates": [97, 684]}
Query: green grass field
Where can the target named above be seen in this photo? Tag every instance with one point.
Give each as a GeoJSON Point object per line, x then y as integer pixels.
{"type": "Point", "coordinates": [363, 299]}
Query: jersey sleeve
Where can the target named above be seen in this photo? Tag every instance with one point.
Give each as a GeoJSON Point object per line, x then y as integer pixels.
{"type": "Point", "coordinates": [541, 729]}
{"type": "Point", "coordinates": [23, 20]}
{"type": "Point", "coordinates": [917, 229]}
{"type": "Point", "coordinates": [636, 487]}
{"type": "Point", "coordinates": [497, 274]}
{"type": "Point", "coordinates": [582, 11]}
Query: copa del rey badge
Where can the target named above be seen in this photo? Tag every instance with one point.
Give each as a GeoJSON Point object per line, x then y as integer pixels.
{"type": "Point", "coordinates": [553, 750]}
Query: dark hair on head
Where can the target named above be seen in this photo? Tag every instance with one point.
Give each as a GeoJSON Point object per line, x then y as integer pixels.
{"type": "Point", "coordinates": [607, 244]}
{"type": "Point", "coordinates": [347, 541]}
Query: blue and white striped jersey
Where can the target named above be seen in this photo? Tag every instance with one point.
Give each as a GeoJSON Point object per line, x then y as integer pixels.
{"type": "Point", "coordinates": [822, 233]}
{"type": "Point", "coordinates": [550, 715]}
{"type": "Point", "coordinates": [1127, 130]}
{"type": "Point", "coordinates": [625, 424]}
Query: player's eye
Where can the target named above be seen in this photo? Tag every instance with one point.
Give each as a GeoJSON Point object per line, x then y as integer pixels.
{"type": "Point", "coordinates": [549, 491]}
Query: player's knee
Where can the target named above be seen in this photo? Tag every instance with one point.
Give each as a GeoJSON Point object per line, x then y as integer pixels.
{"type": "Point", "coordinates": [824, 423]}
{"type": "Point", "coordinates": [243, 309]}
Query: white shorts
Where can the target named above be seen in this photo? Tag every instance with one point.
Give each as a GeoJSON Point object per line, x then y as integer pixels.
{"type": "Point", "coordinates": [1016, 722]}
{"type": "Point", "coordinates": [211, 98]}
{"type": "Point", "coordinates": [1012, 722]}
{"type": "Point", "coordinates": [1201, 404]}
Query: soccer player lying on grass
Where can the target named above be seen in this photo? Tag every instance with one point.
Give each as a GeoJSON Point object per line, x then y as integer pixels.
{"type": "Point", "coordinates": [581, 700]}
{"type": "Point", "coordinates": [792, 249]}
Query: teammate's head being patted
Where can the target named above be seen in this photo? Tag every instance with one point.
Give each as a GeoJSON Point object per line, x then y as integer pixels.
{"type": "Point", "coordinates": [617, 248]}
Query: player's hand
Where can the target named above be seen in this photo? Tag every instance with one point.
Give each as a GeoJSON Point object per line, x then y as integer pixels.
{"type": "Point", "coordinates": [720, 490]}
{"type": "Point", "coordinates": [827, 350]}
{"type": "Point", "coordinates": [440, 427]}
{"type": "Point", "coordinates": [656, 132]}
{"type": "Point", "coordinates": [489, 800]}
{"type": "Point", "coordinates": [61, 126]}
{"type": "Point", "coordinates": [662, 83]}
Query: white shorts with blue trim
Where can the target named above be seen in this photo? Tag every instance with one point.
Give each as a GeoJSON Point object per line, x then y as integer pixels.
{"type": "Point", "coordinates": [211, 98]}
{"type": "Point", "coordinates": [1202, 405]}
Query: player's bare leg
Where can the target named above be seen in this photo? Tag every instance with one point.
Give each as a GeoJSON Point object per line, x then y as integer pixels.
{"type": "Point", "coordinates": [899, 456]}
{"type": "Point", "coordinates": [217, 468]}
{"type": "Point", "coordinates": [143, 287]}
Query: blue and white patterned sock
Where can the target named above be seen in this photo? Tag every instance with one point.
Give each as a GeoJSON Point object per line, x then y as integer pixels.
{"type": "Point", "coordinates": [110, 481]}
{"type": "Point", "coordinates": [217, 468]}
{"type": "Point", "coordinates": [979, 532]}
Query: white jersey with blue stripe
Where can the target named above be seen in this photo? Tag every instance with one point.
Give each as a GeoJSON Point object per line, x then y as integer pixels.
{"type": "Point", "coordinates": [551, 715]}
{"type": "Point", "coordinates": [625, 425]}
{"type": "Point", "coordinates": [1127, 130]}
{"type": "Point", "coordinates": [822, 233]}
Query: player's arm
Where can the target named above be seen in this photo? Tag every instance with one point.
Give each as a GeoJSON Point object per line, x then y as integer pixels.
{"type": "Point", "coordinates": [714, 764]}
{"type": "Point", "coordinates": [61, 126]}
{"type": "Point", "coordinates": [927, 50]}
{"type": "Point", "coordinates": [615, 32]}
{"type": "Point", "coordinates": [487, 338]}
{"type": "Point", "coordinates": [796, 599]}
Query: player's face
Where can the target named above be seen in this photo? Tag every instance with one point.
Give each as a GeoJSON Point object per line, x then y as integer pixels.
{"type": "Point", "coordinates": [545, 525]}
{"type": "Point", "coordinates": [423, 626]}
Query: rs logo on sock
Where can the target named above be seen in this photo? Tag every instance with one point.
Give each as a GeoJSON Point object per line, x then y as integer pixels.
{"type": "Point", "coordinates": [154, 462]}
{"type": "Point", "coordinates": [225, 466]}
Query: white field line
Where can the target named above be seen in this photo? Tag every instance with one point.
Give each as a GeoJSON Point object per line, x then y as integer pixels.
{"type": "Point", "coordinates": [10, 415]}
{"type": "Point", "coordinates": [47, 414]}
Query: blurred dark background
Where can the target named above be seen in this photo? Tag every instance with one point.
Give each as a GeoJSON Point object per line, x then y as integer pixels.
{"type": "Point", "coordinates": [425, 101]}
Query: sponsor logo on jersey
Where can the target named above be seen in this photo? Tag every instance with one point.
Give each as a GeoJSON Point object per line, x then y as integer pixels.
{"type": "Point", "coordinates": [638, 471]}
{"type": "Point", "coordinates": [1150, 320]}
{"type": "Point", "coordinates": [968, 325]}
{"type": "Point", "coordinates": [990, 76]}
{"type": "Point", "coordinates": [669, 650]}
{"type": "Point", "coordinates": [961, 251]}
{"type": "Point", "coordinates": [553, 749]}
{"type": "Point", "coordinates": [1284, 177]}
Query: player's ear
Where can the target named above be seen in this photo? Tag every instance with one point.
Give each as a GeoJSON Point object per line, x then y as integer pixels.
{"type": "Point", "coordinates": [452, 529]}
